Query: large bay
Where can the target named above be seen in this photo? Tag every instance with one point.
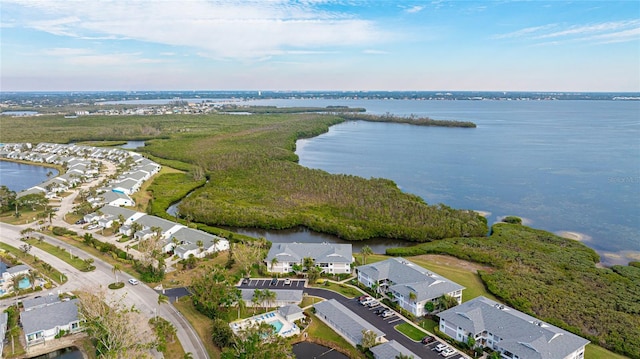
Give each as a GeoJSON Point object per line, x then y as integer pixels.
{"type": "Point", "coordinates": [561, 165]}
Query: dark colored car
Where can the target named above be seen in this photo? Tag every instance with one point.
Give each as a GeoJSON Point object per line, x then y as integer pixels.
{"type": "Point", "coordinates": [274, 281]}
{"type": "Point", "coordinates": [245, 281]}
{"type": "Point", "coordinates": [428, 339]}
{"type": "Point", "coordinates": [380, 310]}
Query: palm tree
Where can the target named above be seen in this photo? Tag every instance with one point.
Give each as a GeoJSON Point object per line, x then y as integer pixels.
{"type": "Point", "coordinates": [274, 261]}
{"type": "Point", "coordinates": [269, 296]}
{"type": "Point", "coordinates": [33, 276]}
{"type": "Point", "coordinates": [307, 263]}
{"type": "Point", "coordinates": [413, 297]}
{"type": "Point", "coordinates": [188, 355]}
{"type": "Point", "coordinates": [162, 299]}
{"type": "Point", "coordinates": [366, 251]}
{"type": "Point", "coordinates": [257, 298]}
{"type": "Point", "coordinates": [200, 245]}
{"type": "Point", "coordinates": [117, 268]}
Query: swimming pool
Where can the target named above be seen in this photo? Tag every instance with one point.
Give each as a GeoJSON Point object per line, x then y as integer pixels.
{"type": "Point", "coordinates": [278, 325]}
{"type": "Point", "coordinates": [24, 283]}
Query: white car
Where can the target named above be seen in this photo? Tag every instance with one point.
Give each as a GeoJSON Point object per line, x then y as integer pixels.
{"type": "Point", "coordinates": [367, 301]}
{"type": "Point", "coordinates": [287, 281]}
{"type": "Point", "coordinates": [440, 347]}
{"type": "Point", "coordinates": [133, 281]}
{"type": "Point", "coordinates": [448, 352]}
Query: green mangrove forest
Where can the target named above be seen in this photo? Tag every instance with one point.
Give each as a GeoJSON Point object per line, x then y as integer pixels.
{"type": "Point", "coordinates": [243, 171]}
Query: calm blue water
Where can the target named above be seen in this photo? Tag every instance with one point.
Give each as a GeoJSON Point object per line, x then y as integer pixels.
{"type": "Point", "coordinates": [561, 165]}
{"type": "Point", "coordinates": [18, 176]}
{"type": "Point", "coordinates": [277, 325]}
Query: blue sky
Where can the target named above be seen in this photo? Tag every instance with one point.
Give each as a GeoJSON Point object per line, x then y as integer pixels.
{"type": "Point", "coordinates": [53, 45]}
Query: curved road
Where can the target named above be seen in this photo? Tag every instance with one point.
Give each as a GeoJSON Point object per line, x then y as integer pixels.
{"type": "Point", "coordinates": [143, 297]}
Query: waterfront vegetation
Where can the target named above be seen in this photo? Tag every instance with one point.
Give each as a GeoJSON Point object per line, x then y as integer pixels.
{"type": "Point", "coordinates": [563, 286]}
{"type": "Point", "coordinates": [254, 180]}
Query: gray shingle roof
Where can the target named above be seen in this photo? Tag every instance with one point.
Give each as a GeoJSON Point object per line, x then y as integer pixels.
{"type": "Point", "coordinates": [408, 277]}
{"type": "Point", "coordinates": [152, 221]}
{"type": "Point", "coordinates": [289, 310]}
{"type": "Point", "coordinates": [116, 211]}
{"type": "Point", "coordinates": [282, 295]}
{"type": "Point", "coordinates": [390, 350]}
{"type": "Point", "coordinates": [320, 252]}
{"type": "Point", "coordinates": [30, 304]}
{"type": "Point", "coordinates": [49, 317]}
{"type": "Point", "coordinates": [346, 320]}
{"type": "Point", "coordinates": [17, 269]}
{"type": "Point", "coordinates": [521, 334]}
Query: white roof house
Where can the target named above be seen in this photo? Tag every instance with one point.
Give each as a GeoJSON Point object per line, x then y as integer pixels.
{"type": "Point", "coordinates": [510, 332]}
{"type": "Point", "coordinates": [402, 277]}
{"type": "Point", "coordinates": [330, 257]}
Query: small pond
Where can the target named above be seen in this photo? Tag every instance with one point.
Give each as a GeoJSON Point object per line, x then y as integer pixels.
{"type": "Point", "coordinates": [305, 350]}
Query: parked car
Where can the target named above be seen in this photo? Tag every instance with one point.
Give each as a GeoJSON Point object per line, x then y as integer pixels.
{"type": "Point", "coordinates": [133, 281]}
{"type": "Point", "coordinates": [245, 281]}
{"type": "Point", "coordinates": [448, 352]}
{"type": "Point", "coordinates": [440, 347]}
{"type": "Point", "coordinates": [362, 297]}
{"type": "Point", "coordinates": [287, 281]}
{"type": "Point", "coordinates": [380, 310]}
{"type": "Point", "coordinates": [92, 226]}
{"type": "Point", "coordinates": [367, 301]}
{"type": "Point", "coordinates": [428, 339]}
{"type": "Point", "coordinates": [387, 313]}
{"type": "Point", "coordinates": [372, 303]}
{"type": "Point", "coordinates": [274, 281]}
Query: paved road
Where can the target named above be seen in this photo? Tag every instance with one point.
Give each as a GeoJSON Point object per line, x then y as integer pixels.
{"type": "Point", "coordinates": [386, 325]}
{"type": "Point", "coordinates": [143, 297]}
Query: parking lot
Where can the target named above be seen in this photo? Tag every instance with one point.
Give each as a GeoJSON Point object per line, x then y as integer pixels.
{"type": "Point", "coordinates": [386, 324]}
{"type": "Point", "coordinates": [279, 283]}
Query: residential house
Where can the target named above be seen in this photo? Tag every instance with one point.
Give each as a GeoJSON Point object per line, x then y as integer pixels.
{"type": "Point", "coordinates": [331, 258]}
{"type": "Point", "coordinates": [513, 334]}
{"type": "Point", "coordinates": [127, 186]}
{"type": "Point", "coordinates": [410, 285]}
{"type": "Point", "coordinates": [349, 325]}
{"type": "Point", "coordinates": [43, 324]}
{"type": "Point", "coordinates": [149, 223]}
{"type": "Point", "coordinates": [283, 297]}
{"type": "Point", "coordinates": [184, 242]}
{"type": "Point", "coordinates": [291, 312]}
{"type": "Point", "coordinates": [391, 350]}
{"type": "Point", "coordinates": [15, 271]}
{"type": "Point", "coordinates": [39, 302]}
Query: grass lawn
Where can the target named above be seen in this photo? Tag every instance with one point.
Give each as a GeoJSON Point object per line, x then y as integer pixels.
{"type": "Point", "coordinates": [597, 352]}
{"type": "Point", "coordinates": [29, 260]}
{"type": "Point", "coordinates": [410, 331]}
{"type": "Point", "coordinates": [26, 216]}
{"type": "Point", "coordinates": [310, 300]}
{"type": "Point", "coordinates": [343, 289]}
{"type": "Point", "coordinates": [181, 277]}
{"type": "Point", "coordinates": [428, 325]}
{"type": "Point", "coordinates": [463, 276]}
{"type": "Point", "coordinates": [201, 324]}
{"type": "Point", "coordinates": [74, 260]}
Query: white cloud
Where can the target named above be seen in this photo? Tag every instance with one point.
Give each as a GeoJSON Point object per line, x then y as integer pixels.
{"type": "Point", "coordinates": [221, 29]}
{"type": "Point", "coordinates": [553, 34]}
{"type": "Point", "coordinates": [414, 9]}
